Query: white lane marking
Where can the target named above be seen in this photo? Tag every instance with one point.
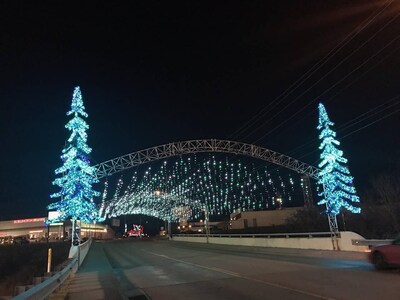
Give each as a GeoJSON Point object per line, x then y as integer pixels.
{"type": "Point", "coordinates": [196, 265]}
{"type": "Point", "coordinates": [277, 285]}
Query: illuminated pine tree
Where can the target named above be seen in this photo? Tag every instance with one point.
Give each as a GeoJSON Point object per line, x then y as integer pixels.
{"type": "Point", "coordinates": [338, 189]}
{"type": "Point", "coordinates": [76, 175]}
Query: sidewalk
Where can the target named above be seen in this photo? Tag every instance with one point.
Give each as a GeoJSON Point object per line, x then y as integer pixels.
{"type": "Point", "coordinates": [95, 279]}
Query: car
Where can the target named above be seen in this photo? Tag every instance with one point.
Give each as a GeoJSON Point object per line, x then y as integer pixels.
{"type": "Point", "coordinates": [386, 256]}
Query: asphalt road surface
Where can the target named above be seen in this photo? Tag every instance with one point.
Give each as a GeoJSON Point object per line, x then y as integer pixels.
{"type": "Point", "coordinates": [160, 269]}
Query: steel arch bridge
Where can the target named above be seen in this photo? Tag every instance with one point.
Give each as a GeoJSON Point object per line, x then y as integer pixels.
{"type": "Point", "coordinates": [137, 158]}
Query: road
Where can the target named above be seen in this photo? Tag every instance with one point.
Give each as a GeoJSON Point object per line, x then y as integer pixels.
{"type": "Point", "coordinates": [163, 269]}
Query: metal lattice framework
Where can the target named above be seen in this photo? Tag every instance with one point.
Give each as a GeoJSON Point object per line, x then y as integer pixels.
{"type": "Point", "coordinates": [137, 158]}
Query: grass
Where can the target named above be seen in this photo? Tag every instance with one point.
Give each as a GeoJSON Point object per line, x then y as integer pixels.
{"type": "Point", "coordinates": [20, 263]}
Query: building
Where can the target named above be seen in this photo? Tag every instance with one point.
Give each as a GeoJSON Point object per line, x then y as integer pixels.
{"type": "Point", "coordinates": [36, 229]}
{"type": "Point", "coordinates": [200, 227]}
{"type": "Point", "coordinates": [265, 218]}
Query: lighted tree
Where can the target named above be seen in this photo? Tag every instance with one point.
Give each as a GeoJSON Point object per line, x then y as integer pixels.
{"type": "Point", "coordinates": [76, 176]}
{"type": "Point", "coordinates": [338, 189]}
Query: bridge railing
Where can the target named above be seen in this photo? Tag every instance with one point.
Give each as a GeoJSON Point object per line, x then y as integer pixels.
{"type": "Point", "coordinates": [262, 235]}
{"type": "Point", "coordinates": [51, 284]}
{"type": "Point", "coordinates": [303, 240]}
{"type": "Point", "coordinates": [371, 243]}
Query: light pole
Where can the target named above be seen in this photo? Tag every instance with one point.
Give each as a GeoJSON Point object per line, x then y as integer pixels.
{"type": "Point", "coordinates": [206, 219]}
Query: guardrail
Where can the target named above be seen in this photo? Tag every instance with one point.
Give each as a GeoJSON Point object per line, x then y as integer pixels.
{"type": "Point", "coordinates": [51, 284]}
{"type": "Point", "coordinates": [80, 251]}
{"type": "Point", "coordinates": [44, 289]}
{"type": "Point", "coordinates": [262, 235]}
{"type": "Point", "coordinates": [371, 243]}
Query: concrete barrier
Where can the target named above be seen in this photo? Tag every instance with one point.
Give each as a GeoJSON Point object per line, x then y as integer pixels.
{"type": "Point", "coordinates": [80, 251]}
{"type": "Point", "coordinates": [296, 241]}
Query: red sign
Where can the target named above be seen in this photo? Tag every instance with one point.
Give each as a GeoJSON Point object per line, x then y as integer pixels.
{"type": "Point", "coordinates": [137, 230]}
{"type": "Point", "coordinates": [29, 220]}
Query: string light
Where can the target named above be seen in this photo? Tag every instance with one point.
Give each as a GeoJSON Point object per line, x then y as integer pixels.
{"type": "Point", "coordinates": [76, 174]}
{"type": "Point", "coordinates": [338, 190]}
{"type": "Point", "coordinates": [184, 188]}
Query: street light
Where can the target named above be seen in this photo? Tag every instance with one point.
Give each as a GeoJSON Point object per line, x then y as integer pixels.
{"type": "Point", "coordinates": [206, 219]}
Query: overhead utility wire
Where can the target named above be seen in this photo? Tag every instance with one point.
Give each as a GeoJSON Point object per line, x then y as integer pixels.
{"type": "Point", "coordinates": [352, 82]}
{"type": "Point", "coordinates": [328, 73]}
{"type": "Point", "coordinates": [354, 131]}
{"type": "Point", "coordinates": [361, 118]}
{"type": "Point", "coordinates": [314, 68]}
{"type": "Point", "coordinates": [363, 74]}
{"type": "Point", "coordinates": [357, 30]}
{"type": "Point", "coordinates": [358, 129]}
{"type": "Point", "coordinates": [380, 119]}
{"type": "Point", "coordinates": [324, 60]}
{"type": "Point", "coordinates": [345, 136]}
{"type": "Point", "coordinates": [327, 90]}
{"type": "Point", "coordinates": [323, 77]}
{"type": "Point", "coordinates": [355, 121]}
{"type": "Point", "coordinates": [334, 50]}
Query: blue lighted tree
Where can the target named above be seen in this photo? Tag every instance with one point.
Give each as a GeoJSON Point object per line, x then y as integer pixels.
{"type": "Point", "coordinates": [76, 175]}
{"type": "Point", "coordinates": [338, 190]}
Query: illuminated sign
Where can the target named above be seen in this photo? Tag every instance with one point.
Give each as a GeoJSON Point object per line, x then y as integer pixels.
{"type": "Point", "coordinates": [29, 220]}
{"type": "Point", "coordinates": [56, 224]}
{"type": "Point", "coordinates": [54, 215]}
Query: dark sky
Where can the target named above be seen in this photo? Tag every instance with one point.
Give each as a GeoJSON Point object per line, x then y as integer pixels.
{"type": "Point", "coordinates": [153, 72]}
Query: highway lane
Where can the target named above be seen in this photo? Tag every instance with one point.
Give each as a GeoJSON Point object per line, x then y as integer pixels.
{"type": "Point", "coordinates": [178, 270]}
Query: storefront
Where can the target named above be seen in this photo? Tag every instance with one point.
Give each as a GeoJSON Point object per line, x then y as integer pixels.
{"type": "Point", "coordinates": [36, 229]}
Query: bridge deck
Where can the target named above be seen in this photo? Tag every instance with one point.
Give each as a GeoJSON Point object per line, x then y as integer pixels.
{"type": "Point", "coordinates": [179, 270]}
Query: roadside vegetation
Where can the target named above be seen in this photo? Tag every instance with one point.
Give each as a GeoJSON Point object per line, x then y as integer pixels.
{"type": "Point", "coordinates": [379, 217]}
{"type": "Point", "coordinates": [19, 264]}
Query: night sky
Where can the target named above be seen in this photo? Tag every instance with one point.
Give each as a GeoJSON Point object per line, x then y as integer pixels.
{"type": "Point", "coordinates": [153, 72]}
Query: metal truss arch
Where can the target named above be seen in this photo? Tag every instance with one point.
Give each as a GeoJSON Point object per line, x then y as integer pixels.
{"type": "Point", "coordinates": [137, 158]}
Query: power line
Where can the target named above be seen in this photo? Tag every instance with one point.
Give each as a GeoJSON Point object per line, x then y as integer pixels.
{"type": "Point", "coordinates": [345, 126]}
{"type": "Point", "coordinates": [314, 68]}
{"type": "Point", "coordinates": [318, 65]}
{"type": "Point", "coordinates": [380, 119]}
{"type": "Point", "coordinates": [327, 90]}
{"type": "Point", "coordinates": [358, 129]}
{"type": "Point", "coordinates": [365, 116]}
{"type": "Point", "coordinates": [353, 81]}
